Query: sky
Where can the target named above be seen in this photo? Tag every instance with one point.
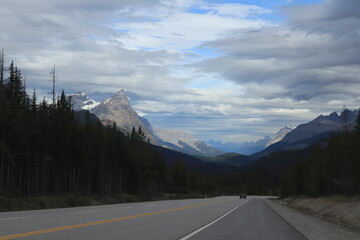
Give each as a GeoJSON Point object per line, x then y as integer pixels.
{"type": "Point", "coordinates": [227, 70]}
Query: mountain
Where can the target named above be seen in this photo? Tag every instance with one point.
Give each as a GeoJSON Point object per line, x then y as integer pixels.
{"type": "Point", "coordinates": [246, 148]}
{"type": "Point", "coordinates": [81, 101]}
{"type": "Point", "coordinates": [184, 142]}
{"type": "Point", "coordinates": [231, 159]}
{"type": "Point", "coordinates": [117, 109]}
{"type": "Point", "coordinates": [82, 114]}
{"type": "Point", "coordinates": [280, 135]}
{"type": "Point", "coordinates": [249, 148]}
{"type": "Point", "coordinates": [309, 133]}
{"type": "Point", "coordinates": [114, 109]}
{"type": "Point", "coordinates": [207, 167]}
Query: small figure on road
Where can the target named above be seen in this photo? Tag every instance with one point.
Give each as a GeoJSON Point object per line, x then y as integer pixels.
{"type": "Point", "coordinates": [242, 195]}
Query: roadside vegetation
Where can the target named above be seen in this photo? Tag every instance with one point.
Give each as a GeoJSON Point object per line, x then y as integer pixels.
{"type": "Point", "coordinates": [50, 153]}
{"type": "Point", "coordinates": [52, 156]}
{"type": "Point", "coordinates": [332, 167]}
{"type": "Point", "coordinates": [74, 200]}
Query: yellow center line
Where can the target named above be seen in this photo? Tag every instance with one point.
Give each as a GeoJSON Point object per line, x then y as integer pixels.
{"type": "Point", "coordinates": [103, 221]}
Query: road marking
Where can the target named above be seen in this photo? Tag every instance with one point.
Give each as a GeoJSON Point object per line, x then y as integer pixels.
{"type": "Point", "coordinates": [211, 223]}
{"type": "Point", "coordinates": [125, 207]}
{"type": "Point", "coordinates": [15, 218]}
{"type": "Point", "coordinates": [151, 205]}
{"type": "Point", "coordinates": [103, 221]}
{"type": "Point", "coordinates": [90, 211]}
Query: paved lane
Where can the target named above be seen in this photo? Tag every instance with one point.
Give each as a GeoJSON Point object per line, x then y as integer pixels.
{"type": "Point", "coordinates": [254, 220]}
{"type": "Point", "coordinates": [150, 220]}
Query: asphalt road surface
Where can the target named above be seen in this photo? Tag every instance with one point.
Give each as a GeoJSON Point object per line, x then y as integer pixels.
{"type": "Point", "coordinates": [195, 219]}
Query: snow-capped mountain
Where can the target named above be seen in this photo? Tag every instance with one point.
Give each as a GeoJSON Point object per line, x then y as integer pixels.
{"type": "Point", "coordinates": [81, 101]}
{"type": "Point", "coordinates": [184, 142]}
{"type": "Point", "coordinates": [280, 135]}
{"type": "Point", "coordinates": [117, 109]}
{"type": "Point", "coordinates": [309, 133]}
{"type": "Point", "coordinates": [328, 123]}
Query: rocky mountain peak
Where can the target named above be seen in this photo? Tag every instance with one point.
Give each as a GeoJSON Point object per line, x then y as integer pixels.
{"type": "Point", "coordinates": [347, 115]}
{"type": "Point", "coordinates": [117, 108]}
{"type": "Point", "coordinates": [120, 99]}
{"type": "Point", "coordinates": [280, 135]}
{"type": "Point", "coordinates": [334, 116]}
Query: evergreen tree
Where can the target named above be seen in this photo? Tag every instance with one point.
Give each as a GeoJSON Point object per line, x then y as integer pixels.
{"type": "Point", "coordinates": [357, 126]}
{"type": "Point", "coordinates": [33, 101]}
{"type": "Point", "coordinates": [48, 149]}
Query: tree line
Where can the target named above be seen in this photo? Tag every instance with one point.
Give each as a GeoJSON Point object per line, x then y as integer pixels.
{"type": "Point", "coordinates": [332, 167]}
{"type": "Point", "coordinates": [49, 149]}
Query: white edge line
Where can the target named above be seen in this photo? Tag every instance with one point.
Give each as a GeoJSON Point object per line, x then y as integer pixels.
{"type": "Point", "coordinates": [15, 218]}
{"type": "Point", "coordinates": [125, 207]}
{"type": "Point", "coordinates": [90, 211]}
{"type": "Point", "coordinates": [211, 223]}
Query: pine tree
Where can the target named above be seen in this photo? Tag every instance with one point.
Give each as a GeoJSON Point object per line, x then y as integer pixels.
{"type": "Point", "coordinates": [357, 126]}
{"type": "Point", "coordinates": [34, 106]}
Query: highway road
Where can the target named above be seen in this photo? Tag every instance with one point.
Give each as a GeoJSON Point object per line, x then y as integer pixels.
{"type": "Point", "coordinates": [195, 219]}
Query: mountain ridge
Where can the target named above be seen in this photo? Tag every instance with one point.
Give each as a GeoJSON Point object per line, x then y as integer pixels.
{"type": "Point", "coordinates": [249, 148]}
{"type": "Point", "coordinates": [117, 109]}
{"type": "Point", "coordinates": [306, 134]}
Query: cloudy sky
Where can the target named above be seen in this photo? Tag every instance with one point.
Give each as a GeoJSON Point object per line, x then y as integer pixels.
{"type": "Point", "coordinates": [229, 70]}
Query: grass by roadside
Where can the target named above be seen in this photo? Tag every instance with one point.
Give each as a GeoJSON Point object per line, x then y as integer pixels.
{"type": "Point", "coordinates": [339, 209]}
{"type": "Point", "coordinates": [72, 200]}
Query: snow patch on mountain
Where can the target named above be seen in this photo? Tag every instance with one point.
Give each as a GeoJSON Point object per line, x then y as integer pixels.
{"type": "Point", "coordinates": [184, 142]}
{"type": "Point", "coordinates": [177, 137]}
{"type": "Point", "coordinates": [280, 135]}
{"type": "Point", "coordinates": [81, 101]}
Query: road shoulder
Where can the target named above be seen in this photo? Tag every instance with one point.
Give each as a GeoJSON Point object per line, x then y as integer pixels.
{"type": "Point", "coordinates": [312, 227]}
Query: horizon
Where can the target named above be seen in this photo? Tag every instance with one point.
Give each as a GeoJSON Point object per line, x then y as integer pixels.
{"type": "Point", "coordinates": [215, 140]}
{"type": "Point", "coordinates": [230, 71]}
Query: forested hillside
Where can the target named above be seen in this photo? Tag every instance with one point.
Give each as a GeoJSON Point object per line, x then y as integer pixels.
{"type": "Point", "coordinates": [333, 167]}
{"type": "Point", "coordinates": [48, 149]}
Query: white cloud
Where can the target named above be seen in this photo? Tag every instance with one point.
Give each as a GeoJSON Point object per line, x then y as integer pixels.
{"type": "Point", "coordinates": [264, 75]}
{"type": "Point", "coordinates": [183, 30]}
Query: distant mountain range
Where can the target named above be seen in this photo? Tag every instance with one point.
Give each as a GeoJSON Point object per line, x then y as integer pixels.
{"type": "Point", "coordinates": [117, 109]}
{"type": "Point", "coordinates": [294, 138]}
{"type": "Point", "coordinates": [249, 148]}
{"type": "Point", "coordinates": [246, 148]}
{"type": "Point", "coordinates": [309, 133]}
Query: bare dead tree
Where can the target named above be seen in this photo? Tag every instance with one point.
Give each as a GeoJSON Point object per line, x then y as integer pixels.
{"type": "Point", "coordinates": [53, 79]}
{"type": "Point", "coordinates": [345, 119]}
{"type": "Point", "coordinates": [2, 63]}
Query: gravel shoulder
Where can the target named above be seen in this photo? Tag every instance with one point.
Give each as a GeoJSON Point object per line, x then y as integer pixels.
{"type": "Point", "coordinates": [336, 209]}
{"type": "Point", "coordinates": [312, 227]}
